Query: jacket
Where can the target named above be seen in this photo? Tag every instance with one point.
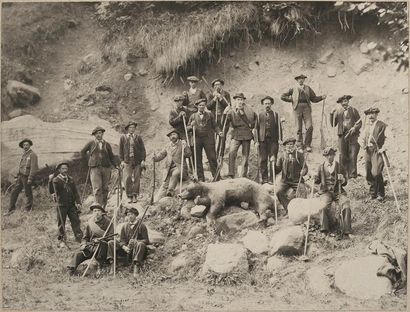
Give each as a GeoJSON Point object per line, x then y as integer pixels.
{"type": "Point", "coordinates": [205, 127]}
{"type": "Point", "coordinates": [28, 165]}
{"type": "Point", "coordinates": [139, 150]}
{"type": "Point", "coordinates": [66, 191]}
{"type": "Point", "coordinates": [127, 230]}
{"type": "Point", "coordinates": [378, 136]}
{"type": "Point", "coordinates": [177, 122]}
{"type": "Point", "coordinates": [102, 224]}
{"type": "Point", "coordinates": [104, 159]}
{"type": "Point", "coordinates": [282, 165]}
{"type": "Point", "coordinates": [294, 94]}
{"type": "Point", "coordinates": [320, 178]}
{"type": "Point", "coordinates": [242, 124]}
{"type": "Point", "coordinates": [338, 117]}
{"type": "Point", "coordinates": [276, 126]}
{"type": "Point", "coordinates": [222, 104]}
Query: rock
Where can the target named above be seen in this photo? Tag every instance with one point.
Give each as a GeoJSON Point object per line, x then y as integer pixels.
{"type": "Point", "coordinates": [18, 258]}
{"type": "Point", "coordinates": [185, 212]}
{"type": "Point", "coordinates": [331, 71]}
{"type": "Point", "coordinates": [198, 211]}
{"type": "Point", "coordinates": [363, 47]}
{"type": "Point", "coordinates": [256, 242]}
{"type": "Point", "coordinates": [372, 45]}
{"type": "Point", "coordinates": [178, 262]}
{"type": "Point", "coordinates": [237, 65]}
{"type": "Point", "coordinates": [22, 94]}
{"type": "Point", "coordinates": [358, 278]}
{"type": "Point", "coordinates": [403, 91]}
{"type": "Point", "coordinates": [326, 56]}
{"type": "Point", "coordinates": [359, 63]}
{"type": "Point", "coordinates": [270, 221]}
{"type": "Point", "coordinates": [103, 88]}
{"type": "Point", "coordinates": [236, 221]}
{"type": "Point", "coordinates": [68, 84]}
{"type": "Point", "coordinates": [142, 72]}
{"type": "Point", "coordinates": [155, 237]}
{"type": "Point", "coordinates": [274, 264]}
{"type": "Point", "coordinates": [244, 205]}
{"type": "Point", "coordinates": [318, 282]}
{"type": "Point", "coordinates": [128, 76]}
{"type": "Point", "coordinates": [15, 113]}
{"type": "Point", "coordinates": [167, 203]}
{"type": "Point", "coordinates": [92, 269]}
{"type": "Point", "coordinates": [87, 64]}
{"type": "Point", "coordinates": [225, 258]}
{"type": "Point", "coordinates": [287, 241]}
{"type": "Point", "coordinates": [72, 23]}
{"type": "Point", "coordinates": [300, 208]}
{"type": "Point", "coordinates": [197, 229]}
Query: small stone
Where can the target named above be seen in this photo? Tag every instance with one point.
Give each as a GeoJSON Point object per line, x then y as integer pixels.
{"type": "Point", "coordinates": [128, 77]}
{"type": "Point", "coordinates": [245, 205]}
{"type": "Point", "coordinates": [198, 211]}
{"type": "Point", "coordinates": [271, 221]}
{"type": "Point", "coordinates": [142, 72]}
{"type": "Point", "coordinates": [72, 23]}
{"type": "Point", "coordinates": [405, 91]}
{"type": "Point", "coordinates": [197, 229]}
{"type": "Point", "coordinates": [371, 45]}
{"type": "Point", "coordinates": [237, 65]}
{"type": "Point", "coordinates": [331, 71]}
{"type": "Point", "coordinates": [287, 241]}
{"type": "Point", "coordinates": [363, 47]}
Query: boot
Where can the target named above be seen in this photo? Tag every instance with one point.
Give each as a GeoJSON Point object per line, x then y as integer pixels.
{"type": "Point", "coordinates": [135, 270]}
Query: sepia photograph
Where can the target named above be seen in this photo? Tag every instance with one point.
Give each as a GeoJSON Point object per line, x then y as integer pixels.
{"type": "Point", "coordinates": [204, 155]}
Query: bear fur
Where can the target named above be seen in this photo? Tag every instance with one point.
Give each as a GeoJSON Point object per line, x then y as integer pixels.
{"type": "Point", "coordinates": [230, 192]}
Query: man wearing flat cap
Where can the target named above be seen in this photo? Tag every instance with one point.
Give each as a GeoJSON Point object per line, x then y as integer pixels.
{"type": "Point", "coordinates": [192, 95]}
{"type": "Point", "coordinates": [100, 160]}
{"type": "Point", "coordinates": [205, 130]}
{"type": "Point", "coordinates": [68, 203]}
{"type": "Point", "coordinates": [98, 226]}
{"type": "Point", "coordinates": [301, 96]}
{"type": "Point", "coordinates": [373, 140]}
{"type": "Point", "coordinates": [28, 167]}
{"type": "Point", "coordinates": [332, 178]}
{"type": "Point", "coordinates": [293, 166]}
{"type": "Point", "coordinates": [177, 116]}
{"type": "Point", "coordinates": [242, 120]}
{"type": "Point", "coordinates": [132, 156]}
{"type": "Point", "coordinates": [348, 123]}
{"type": "Point", "coordinates": [268, 136]}
{"type": "Point", "coordinates": [172, 153]}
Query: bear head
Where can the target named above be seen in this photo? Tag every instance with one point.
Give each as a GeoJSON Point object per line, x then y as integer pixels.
{"type": "Point", "coordinates": [193, 190]}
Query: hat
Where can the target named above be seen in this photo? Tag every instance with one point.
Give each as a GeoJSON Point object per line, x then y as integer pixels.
{"type": "Point", "coordinates": [344, 97]}
{"type": "Point", "coordinates": [267, 98]}
{"type": "Point", "coordinates": [290, 140]}
{"type": "Point", "coordinates": [96, 129]}
{"type": "Point", "coordinates": [172, 130]}
{"type": "Point", "coordinates": [179, 98]}
{"type": "Point", "coordinates": [372, 110]}
{"type": "Point", "coordinates": [131, 123]}
{"type": "Point", "coordinates": [328, 151]}
{"type": "Point", "coordinates": [193, 78]}
{"type": "Point", "coordinates": [200, 101]}
{"type": "Point", "coordinates": [239, 95]}
{"type": "Point", "coordinates": [60, 164]}
{"type": "Point", "coordinates": [216, 80]}
{"type": "Point", "coordinates": [26, 140]}
{"type": "Point", "coordinates": [300, 77]}
{"type": "Point", "coordinates": [96, 206]}
{"type": "Point", "coordinates": [133, 210]}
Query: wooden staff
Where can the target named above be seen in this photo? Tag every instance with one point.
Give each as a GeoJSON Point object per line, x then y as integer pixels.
{"type": "Point", "coordinates": [187, 139]}
{"type": "Point", "coordinates": [182, 168]}
{"type": "Point", "coordinates": [195, 156]}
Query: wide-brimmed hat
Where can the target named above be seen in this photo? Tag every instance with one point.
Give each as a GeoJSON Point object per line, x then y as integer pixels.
{"type": "Point", "coordinates": [329, 151]}
{"type": "Point", "coordinates": [25, 140]}
{"type": "Point", "coordinates": [372, 110]}
{"type": "Point", "coordinates": [344, 97]}
{"type": "Point", "coordinates": [62, 163]}
{"type": "Point", "coordinates": [268, 98]}
{"type": "Point", "coordinates": [131, 123]}
{"type": "Point", "coordinates": [178, 98]}
{"type": "Point", "coordinates": [132, 210]}
{"type": "Point", "coordinates": [97, 206]}
{"type": "Point", "coordinates": [172, 130]}
{"type": "Point", "coordinates": [96, 129]}
{"type": "Point", "coordinates": [290, 140]}
{"type": "Point", "coordinates": [200, 101]}
{"type": "Point", "coordinates": [239, 96]}
{"type": "Point", "coordinates": [216, 80]}
{"type": "Point", "coordinates": [300, 77]}
{"type": "Point", "coordinates": [193, 78]}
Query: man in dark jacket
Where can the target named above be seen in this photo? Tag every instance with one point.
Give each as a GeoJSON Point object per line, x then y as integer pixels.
{"type": "Point", "coordinates": [177, 116]}
{"type": "Point", "coordinates": [132, 156]}
{"type": "Point", "coordinates": [205, 129]}
{"type": "Point", "coordinates": [28, 167]}
{"type": "Point", "coordinates": [268, 136]}
{"type": "Point", "coordinates": [243, 120]}
{"type": "Point", "coordinates": [68, 203]}
{"type": "Point", "coordinates": [348, 123]}
{"type": "Point", "coordinates": [101, 158]}
{"type": "Point", "coordinates": [301, 97]}
{"type": "Point", "coordinates": [332, 177]}
{"type": "Point", "coordinates": [293, 166]}
{"type": "Point", "coordinates": [192, 95]}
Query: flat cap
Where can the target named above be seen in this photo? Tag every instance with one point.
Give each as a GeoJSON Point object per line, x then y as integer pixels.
{"type": "Point", "coordinates": [25, 140]}
{"type": "Point", "coordinates": [372, 110]}
{"type": "Point", "coordinates": [132, 210]}
{"type": "Point", "coordinates": [267, 98]}
{"type": "Point", "coordinates": [172, 130]}
{"type": "Point", "coordinates": [300, 77]}
{"type": "Point", "coordinates": [97, 206]}
{"type": "Point", "coordinates": [329, 151]}
{"type": "Point", "coordinates": [96, 129]}
{"type": "Point", "coordinates": [216, 80]}
{"type": "Point", "coordinates": [200, 101]}
{"type": "Point", "coordinates": [131, 123]}
{"type": "Point", "coordinates": [344, 97]}
{"type": "Point", "coordinates": [193, 78]}
{"type": "Point", "coordinates": [290, 140]}
{"type": "Point", "coordinates": [239, 96]}
{"type": "Point", "coordinates": [178, 98]}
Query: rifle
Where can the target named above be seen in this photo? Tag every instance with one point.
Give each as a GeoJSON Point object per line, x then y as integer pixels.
{"type": "Point", "coordinates": [322, 135]}
{"type": "Point", "coordinates": [97, 241]}
{"type": "Point", "coordinates": [220, 156]}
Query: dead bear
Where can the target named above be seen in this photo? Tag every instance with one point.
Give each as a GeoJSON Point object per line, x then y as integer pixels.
{"type": "Point", "coordinates": [230, 192]}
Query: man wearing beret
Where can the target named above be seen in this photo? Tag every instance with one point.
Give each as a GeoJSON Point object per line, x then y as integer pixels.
{"type": "Point", "coordinates": [176, 116]}
{"type": "Point", "coordinates": [332, 177]}
{"type": "Point", "coordinates": [301, 96]}
{"type": "Point", "coordinates": [172, 172]}
{"type": "Point", "coordinates": [132, 156]}
{"type": "Point", "coordinates": [293, 167]}
{"type": "Point", "coordinates": [132, 243]}
{"type": "Point", "coordinates": [373, 141]}
{"type": "Point", "coordinates": [348, 123]}
{"type": "Point", "coordinates": [205, 129]}
{"type": "Point", "coordinates": [28, 167]}
{"type": "Point", "coordinates": [243, 120]}
{"type": "Point", "coordinates": [68, 203]}
{"type": "Point", "coordinates": [268, 136]}
{"type": "Point", "coordinates": [95, 229]}
{"type": "Point", "coordinates": [101, 158]}
{"type": "Point", "coordinates": [192, 95]}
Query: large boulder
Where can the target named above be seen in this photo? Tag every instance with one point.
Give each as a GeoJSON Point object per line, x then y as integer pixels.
{"type": "Point", "coordinates": [358, 278]}
{"type": "Point", "coordinates": [256, 242]}
{"type": "Point", "coordinates": [300, 208]}
{"type": "Point", "coordinates": [287, 241]}
{"type": "Point", "coordinates": [236, 222]}
{"type": "Point", "coordinates": [318, 282]}
{"type": "Point", "coordinates": [155, 237]}
{"type": "Point", "coordinates": [225, 258]}
{"type": "Point", "coordinates": [53, 142]}
{"type": "Point", "coordinates": [22, 94]}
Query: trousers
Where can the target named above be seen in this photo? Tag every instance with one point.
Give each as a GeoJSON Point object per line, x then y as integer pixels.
{"type": "Point", "coordinates": [344, 217]}
{"type": "Point", "coordinates": [21, 183]}
{"type": "Point", "coordinates": [207, 144]}
{"type": "Point", "coordinates": [132, 179]}
{"type": "Point", "coordinates": [233, 151]}
{"type": "Point", "coordinates": [267, 149]}
{"type": "Point", "coordinates": [105, 252]}
{"type": "Point", "coordinates": [71, 212]}
{"type": "Point", "coordinates": [303, 114]}
{"type": "Point", "coordinates": [281, 192]}
{"type": "Point", "coordinates": [374, 168]}
{"type": "Point", "coordinates": [100, 178]}
{"type": "Point", "coordinates": [136, 255]}
{"type": "Point", "coordinates": [349, 149]}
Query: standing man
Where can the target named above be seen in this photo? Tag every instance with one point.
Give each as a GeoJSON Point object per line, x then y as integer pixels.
{"type": "Point", "coordinates": [268, 136]}
{"type": "Point", "coordinates": [293, 167]}
{"type": "Point", "coordinates": [332, 177]}
{"type": "Point", "coordinates": [173, 154]}
{"type": "Point", "coordinates": [205, 129]}
{"type": "Point", "coordinates": [348, 122]}
{"type": "Point", "coordinates": [101, 158]}
{"type": "Point", "coordinates": [192, 95]}
{"type": "Point", "coordinates": [373, 143]}
{"type": "Point", "coordinates": [177, 114]}
{"type": "Point", "coordinates": [301, 96]}
{"type": "Point", "coordinates": [242, 121]}
{"type": "Point", "coordinates": [27, 169]}
{"type": "Point", "coordinates": [68, 203]}
{"type": "Point", "coordinates": [132, 156]}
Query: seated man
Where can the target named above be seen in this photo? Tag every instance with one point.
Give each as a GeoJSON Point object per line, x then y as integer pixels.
{"type": "Point", "coordinates": [332, 176]}
{"type": "Point", "coordinates": [94, 232]}
{"type": "Point", "coordinates": [293, 166]}
{"type": "Point", "coordinates": [173, 153]}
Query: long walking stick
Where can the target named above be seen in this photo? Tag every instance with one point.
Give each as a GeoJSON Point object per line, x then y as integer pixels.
{"type": "Point", "coordinates": [182, 169]}
{"type": "Point", "coordinates": [322, 135]}
{"type": "Point", "coordinates": [300, 176]}
{"type": "Point", "coordinates": [115, 221]}
{"type": "Point", "coordinates": [386, 163]}
{"type": "Point", "coordinates": [195, 156]}
{"type": "Point", "coordinates": [274, 191]}
{"type": "Point", "coordinates": [187, 140]}
{"type": "Point", "coordinates": [85, 185]}
{"type": "Point", "coordinates": [60, 216]}
{"type": "Point", "coordinates": [305, 257]}
{"type": "Point", "coordinates": [220, 154]}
